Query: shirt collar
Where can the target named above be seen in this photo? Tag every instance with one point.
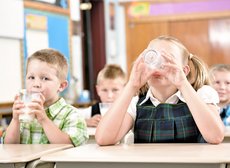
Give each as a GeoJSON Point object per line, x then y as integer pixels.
{"type": "Point", "coordinates": [171, 100]}
{"type": "Point", "coordinates": [55, 108]}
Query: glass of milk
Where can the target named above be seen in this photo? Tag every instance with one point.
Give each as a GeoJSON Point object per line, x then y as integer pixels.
{"type": "Point", "coordinates": [27, 98]}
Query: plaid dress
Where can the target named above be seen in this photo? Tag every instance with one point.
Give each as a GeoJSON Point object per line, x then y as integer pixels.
{"type": "Point", "coordinates": [166, 123]}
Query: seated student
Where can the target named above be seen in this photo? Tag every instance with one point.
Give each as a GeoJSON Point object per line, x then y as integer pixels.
{"type": "Point", "coordinates": [110, 82]}
{"type": "Point", "coordinates": [178, 106]}
{"type": "Point", "coordinates": [56, 122]}
{"type": "Point", "coordinates": [220, 77]}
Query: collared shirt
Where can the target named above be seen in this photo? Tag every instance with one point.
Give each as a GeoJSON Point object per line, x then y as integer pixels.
{"type": "Point", "coordinates": [207, 94]}
{"type": "Point", "coordinates": [65, 117]}
{"type": "Point", "coordinates": [225, 112]}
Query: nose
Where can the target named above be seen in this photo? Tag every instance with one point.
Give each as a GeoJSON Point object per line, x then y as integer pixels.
{"type": "Point", "coordinates": [36, 83]}
{"type": "Point", "coordinates": [110, 94]}
{"type": "Point", "coordinates": [222, 85]}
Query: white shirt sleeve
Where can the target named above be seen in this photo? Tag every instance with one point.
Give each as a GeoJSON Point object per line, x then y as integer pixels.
{"type": "Point", "coordinates": [85, 112]}
{"type": "Point", "coordinates": [132, 109]}
{"type": "Point", "coordinates": [208, 94]}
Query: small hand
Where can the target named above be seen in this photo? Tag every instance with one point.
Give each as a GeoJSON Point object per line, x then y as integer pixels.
{"type": "Point", "coordinates": [93, 121]}
{"type": "Point", "coordinates": [17, 106]}
{"type": "Point", "coordinates": [140, 72]}
{"type": "Point", "coordinates": [172, 70]}
{"type": "Point", "coordinates": [37, 107]}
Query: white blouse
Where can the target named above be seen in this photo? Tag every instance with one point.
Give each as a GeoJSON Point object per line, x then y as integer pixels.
{"type": "Point", "coordinates": [207, 94]}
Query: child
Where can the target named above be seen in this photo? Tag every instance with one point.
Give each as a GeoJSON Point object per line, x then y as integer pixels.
{"type": "Point", "coordinates": [220, 75]}
{"type": "Point", "coordinates": [56, 122]}
{"type": "Point", "coordinates": [174, 109]}
{"type": "Point", "coordinates": [110, 82]}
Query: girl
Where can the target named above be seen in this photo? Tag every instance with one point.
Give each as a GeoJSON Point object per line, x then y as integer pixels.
{"type": "Point", "coordinates": [178, 106]}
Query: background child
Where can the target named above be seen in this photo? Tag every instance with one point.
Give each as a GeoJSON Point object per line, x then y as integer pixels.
{"type": "Point", "coordinates": [179, 106]}
{"type": "Point", "coordinates": [220, 76]}
{"type": "Point", "coordinates": [110, 82]}
{"type": "Point", "coordinates": [56, 121]}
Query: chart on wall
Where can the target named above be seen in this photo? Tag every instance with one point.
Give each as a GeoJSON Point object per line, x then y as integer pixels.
{"type": "Point", "coordinates": [46, 30]}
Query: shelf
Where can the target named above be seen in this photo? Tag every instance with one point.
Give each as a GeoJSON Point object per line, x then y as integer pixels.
{"type": "Point", "coordinates": [46, 7]}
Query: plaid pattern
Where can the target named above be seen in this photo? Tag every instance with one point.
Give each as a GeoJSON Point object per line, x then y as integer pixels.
{"type": "Point", "coordinates": [165, 123]}
{"type": "Point", "coordinates": [65, 117]}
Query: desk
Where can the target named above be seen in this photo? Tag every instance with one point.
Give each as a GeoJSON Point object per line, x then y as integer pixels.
{"type": "Point", "coordinates": [227, 134]}
{"type": "Point", "coordinates": [91, 131]}
{"type": "Point", "coordinates": [143, 155]}
{"type": "Point", "coordinates": [17, 155]}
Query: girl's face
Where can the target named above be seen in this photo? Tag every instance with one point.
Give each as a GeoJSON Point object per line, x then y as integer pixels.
{"type": "Point", "coordinates": [109, 89]}
{"type": "Point", "coordinates": [160, 45]}
{"type": "Point", "coordinates": [42, 77]}
{"type": "Point", "coordinates": [221, 84]}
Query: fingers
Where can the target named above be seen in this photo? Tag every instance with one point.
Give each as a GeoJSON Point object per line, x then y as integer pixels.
{"type": "Point", "coordinates": [94, 121]}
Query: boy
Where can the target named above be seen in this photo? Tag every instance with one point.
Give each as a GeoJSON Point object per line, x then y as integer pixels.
{"type": "Point", "coordinates": [110, 82]}
{"type": "Point", "coordinates": [220, 76]}
{"type": "Point", "coordinates": [56, 122]}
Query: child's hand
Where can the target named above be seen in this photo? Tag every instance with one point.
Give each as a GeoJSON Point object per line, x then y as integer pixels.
{"type": "Point", "coordinates": [17, 106]}
{"type": "Point", "coordinates": [93, 121]}
{"type": "Point", "coordinates": [172, 70]}
{"type": "Point", "coordinates": [140, 72]}
{"type": "Point", "coordinates": [37, 107]}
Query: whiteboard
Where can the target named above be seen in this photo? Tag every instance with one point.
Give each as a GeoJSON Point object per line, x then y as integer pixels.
{"type": "Point", "coordinates": [10, 69]}
{"type": "Point", "coordinates": [36, 40]}
{"type": "Point", "coordinates": [11, 18]}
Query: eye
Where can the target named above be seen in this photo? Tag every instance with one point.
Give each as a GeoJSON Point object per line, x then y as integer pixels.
{"type": "Point", "coordinates": [45, 78]}
{"type": "Point", "coordinates": [104, 90]}
{"type": "Point", "coordinates": [31, 77]}
{"type": "Point", "coordinates": [115, 90]}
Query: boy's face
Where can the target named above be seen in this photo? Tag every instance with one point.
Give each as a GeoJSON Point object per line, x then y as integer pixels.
{"type": "Point", "coordinates": [221, 84]}
{"type": "Point", "coordinates": [42, 77]}
{"type": "Point", "coordinates": [109, 89]}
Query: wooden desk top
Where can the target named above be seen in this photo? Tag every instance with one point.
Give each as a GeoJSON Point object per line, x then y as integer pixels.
{"type": "Point", "coordinates": [145, 153]}
{"type": "Point", "coordinates": [14, 153]}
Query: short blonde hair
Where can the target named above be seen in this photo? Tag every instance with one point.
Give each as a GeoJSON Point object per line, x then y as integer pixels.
{"type": "Point", "coordinates": [111, 71]}
{"type": "Point", "coordinates": [218, 68]}
{"type": "Point", "coordinates": [54, 58]}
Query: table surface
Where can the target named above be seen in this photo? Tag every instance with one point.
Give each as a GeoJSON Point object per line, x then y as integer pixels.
{"type": "Point", "coordinates": [148, 153]}
{"type": "Point", "coordinates": [15, 153]}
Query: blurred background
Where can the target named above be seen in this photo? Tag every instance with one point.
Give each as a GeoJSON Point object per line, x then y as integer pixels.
{"type": "Point", "coordinates": [91, 33]}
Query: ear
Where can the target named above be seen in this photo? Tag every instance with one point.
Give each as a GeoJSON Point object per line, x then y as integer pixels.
{"type": "Point", "coordinates": [186, 69]}
{"type": "Point", "coordinates": [63, 86]}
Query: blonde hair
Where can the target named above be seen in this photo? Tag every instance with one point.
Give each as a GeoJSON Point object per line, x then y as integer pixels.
{"type": "Point", "coordinates": [219, 68]}
{"type": "Point", "coordinates": [54, 58]}
{"type": "Point", "coordinates": [198, 75]}
{"type": "Point", "coordinates": [111, 71]}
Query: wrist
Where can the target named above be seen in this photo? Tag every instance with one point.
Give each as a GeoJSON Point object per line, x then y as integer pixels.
{"type": "Point", "coordinates": [183, 84]}
{"type": "Point", "coordinates": [133, 89]}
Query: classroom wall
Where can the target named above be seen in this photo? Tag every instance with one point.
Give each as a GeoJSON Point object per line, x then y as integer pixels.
{"type": "Point", "coordinates": [203, 27]}
{"type": "Point", "coordinates": [11, 35]}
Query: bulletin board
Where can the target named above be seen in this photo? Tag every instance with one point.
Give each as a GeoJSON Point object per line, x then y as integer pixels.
{"type": "Point", "coordinates": [55, 35]}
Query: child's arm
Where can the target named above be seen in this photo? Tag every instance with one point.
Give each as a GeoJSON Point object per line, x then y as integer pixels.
{"type": "Point", "coordinates": [53, 133]}
{"type": "Point", "coordinates": [12, 134]}
{"type": "Point", "coordinates": [205, 115]}
{"type": "Point", "coordinates": [117, 122]}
